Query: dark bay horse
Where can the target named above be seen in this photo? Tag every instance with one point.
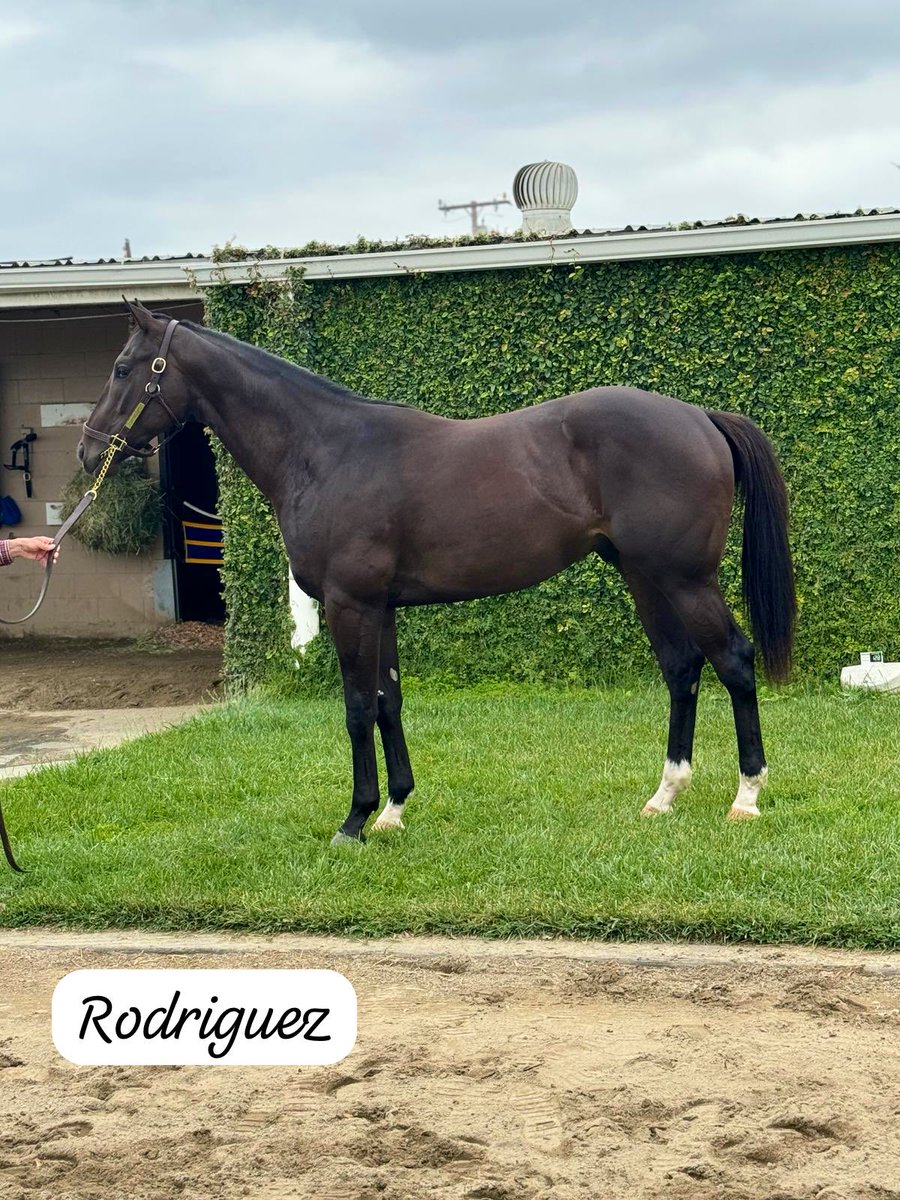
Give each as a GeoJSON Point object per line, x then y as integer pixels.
{"type": "Point", "coordinates": [383, 505]}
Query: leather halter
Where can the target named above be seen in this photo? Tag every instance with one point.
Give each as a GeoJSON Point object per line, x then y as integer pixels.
{"type": "Point", "coordinates": [153, 392]}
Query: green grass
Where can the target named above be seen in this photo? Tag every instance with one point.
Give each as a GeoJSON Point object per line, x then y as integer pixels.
{"type": "Point", "coordinates": [525, 822]}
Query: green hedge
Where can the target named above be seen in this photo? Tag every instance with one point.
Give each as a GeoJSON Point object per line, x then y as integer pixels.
{"type": "Point", "coordinates": [805, 342]}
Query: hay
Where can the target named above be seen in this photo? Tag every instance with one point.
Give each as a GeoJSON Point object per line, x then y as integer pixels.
{"type": "Point", "coordinates": [125, 518]}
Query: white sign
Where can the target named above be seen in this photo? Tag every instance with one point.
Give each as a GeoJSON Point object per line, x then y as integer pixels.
{"type": "Point", "coordinates": [204, 1018]}
{"type": "Point", "coordinates": [58, 416]}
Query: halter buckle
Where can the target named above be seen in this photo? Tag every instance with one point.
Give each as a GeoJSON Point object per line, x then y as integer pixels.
{"type": "Point", "coordinates": [158, 365]}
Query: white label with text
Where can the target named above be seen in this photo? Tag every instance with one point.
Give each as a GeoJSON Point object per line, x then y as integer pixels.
{"type": "Point", "coordinates": [204, 1018]}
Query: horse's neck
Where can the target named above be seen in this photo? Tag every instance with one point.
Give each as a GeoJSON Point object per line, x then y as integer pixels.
{"type": "Point", "coordinates": [271, 427]}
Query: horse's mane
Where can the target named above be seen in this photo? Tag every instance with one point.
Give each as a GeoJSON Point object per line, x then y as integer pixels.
{"type": "Point", "coordinates": [257, 358]}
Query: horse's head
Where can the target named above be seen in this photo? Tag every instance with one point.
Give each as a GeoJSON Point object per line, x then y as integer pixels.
{"type": "Point", "coordinates": [146, 396]}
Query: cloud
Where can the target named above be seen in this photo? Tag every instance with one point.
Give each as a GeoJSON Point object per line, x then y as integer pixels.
{"type": "Point", "coordinates": [296, 68]}
{"type": "Point", "coordinates": [13, 33]}
{"type": "Point", "coordinates": [767, 152]}
{"type": "Point", "coordinates": [280, 122]}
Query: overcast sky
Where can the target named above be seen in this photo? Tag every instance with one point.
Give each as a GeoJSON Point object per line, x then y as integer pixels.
{"type": "Point", "coordinates": [183, 125]}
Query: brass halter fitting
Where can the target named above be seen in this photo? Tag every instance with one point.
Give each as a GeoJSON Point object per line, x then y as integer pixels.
{"type": "Point", "coordinates": [116, 444]}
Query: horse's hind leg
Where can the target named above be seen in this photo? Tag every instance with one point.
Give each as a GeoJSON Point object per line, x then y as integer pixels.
{"type": "Point", "coordinates": [390, 726]}
{"type": "Point", "coordinates": [681, 663]}
{"type": "Point", "coordinates": [709, 622]}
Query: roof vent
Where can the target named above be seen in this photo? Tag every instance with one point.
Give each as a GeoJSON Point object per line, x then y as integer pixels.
{"type": "Point", "coordinates": [546, 193]}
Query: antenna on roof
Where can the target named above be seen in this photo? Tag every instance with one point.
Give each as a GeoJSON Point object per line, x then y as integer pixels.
{"type": "Point", "coordinates": [472, 208]}
{"type": "Point", "coordinates": [126, 249]}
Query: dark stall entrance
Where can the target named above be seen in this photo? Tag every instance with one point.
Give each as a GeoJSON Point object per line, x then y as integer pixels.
{"type": "Point", "coordinates": [193, 532]}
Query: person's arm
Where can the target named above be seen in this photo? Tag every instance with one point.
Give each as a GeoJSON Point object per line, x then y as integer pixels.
{"type": "Point", "coordinates": [38, 549]}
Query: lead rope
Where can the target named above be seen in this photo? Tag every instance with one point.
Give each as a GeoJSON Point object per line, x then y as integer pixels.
{"type": "Point", "coordinates": [116, 443]}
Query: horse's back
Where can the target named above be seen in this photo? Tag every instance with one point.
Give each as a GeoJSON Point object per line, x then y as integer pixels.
{"type": "Point", "coordinates": [606, 443]}
{"type": "Point", "coordinates": [640, 423]}
{"type": "Point", "coordinates": [626, 417]}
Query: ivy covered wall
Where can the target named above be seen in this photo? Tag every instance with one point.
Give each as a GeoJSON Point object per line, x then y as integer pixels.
{"type": "Point", "coordinates": [804, 342]}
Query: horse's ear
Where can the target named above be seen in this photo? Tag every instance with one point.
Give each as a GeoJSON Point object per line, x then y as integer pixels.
{"type": "Point", "coordinates": [140, 316]}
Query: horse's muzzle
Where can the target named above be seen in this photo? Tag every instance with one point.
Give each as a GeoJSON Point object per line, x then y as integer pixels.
{"type": "Point", "coordinates": [89, 460]}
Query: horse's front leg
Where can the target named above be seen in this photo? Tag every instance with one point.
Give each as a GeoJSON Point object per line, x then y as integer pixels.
{"type": "Point", "coordinates": [356, 629]}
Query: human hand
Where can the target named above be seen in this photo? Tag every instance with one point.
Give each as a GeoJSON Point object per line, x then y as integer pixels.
{"type": "Point", "coordinates": [38, 549]}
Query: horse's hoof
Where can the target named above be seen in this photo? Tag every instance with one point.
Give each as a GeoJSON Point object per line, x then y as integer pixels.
{"type": "Point", "coordinates": [743, 814]}
{"type": "Point", "coordinates": [651, 810]}
{"type": "Point", "coordinates": [390, 818]}
{"type": "Point", "coordinates": [344, 839]}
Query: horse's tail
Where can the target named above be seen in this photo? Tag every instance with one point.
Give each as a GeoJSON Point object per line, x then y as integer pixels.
{"type": "Point", "coordinates": [766, 567]}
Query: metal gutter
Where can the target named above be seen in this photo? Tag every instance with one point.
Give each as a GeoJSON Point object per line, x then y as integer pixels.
{"type": "Point", "coordinates": [28, 287]}
{"type": "Point", "coordinates": [589, 248]}
{"type": "Point", "coordinates": [100, 283]}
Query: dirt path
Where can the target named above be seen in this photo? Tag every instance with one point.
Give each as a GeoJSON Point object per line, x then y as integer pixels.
{"type": "Point", "coordinates": [50, 674]}
{"type": "Point", "coordinates": [483, 1071]}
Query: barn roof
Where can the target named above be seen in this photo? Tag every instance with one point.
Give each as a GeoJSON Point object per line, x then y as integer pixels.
{"type": "Point", "coordinates": [67, 281]}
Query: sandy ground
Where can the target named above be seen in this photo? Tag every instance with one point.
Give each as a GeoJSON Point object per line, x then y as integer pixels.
{"type": "Point", "coordinates": [483, 1071]}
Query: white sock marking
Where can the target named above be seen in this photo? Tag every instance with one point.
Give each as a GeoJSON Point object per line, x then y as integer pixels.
{"type": "Point", "coordinates": [747, 798]}
{"type": "Point", "coordinates": [676, 778]}
{"type": "Point", "coordinates": [390, 817]}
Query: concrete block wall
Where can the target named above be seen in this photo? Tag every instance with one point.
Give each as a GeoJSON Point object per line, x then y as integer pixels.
{"type": "Point", "coordinates": [63, 365]}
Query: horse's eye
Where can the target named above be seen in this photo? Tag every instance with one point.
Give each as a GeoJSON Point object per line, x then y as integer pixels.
{"type": "Point", "coordinates": [122, 372]}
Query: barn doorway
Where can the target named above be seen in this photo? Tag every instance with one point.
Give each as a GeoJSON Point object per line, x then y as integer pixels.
{"type": "Point", "coordinates": [193, 530]}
